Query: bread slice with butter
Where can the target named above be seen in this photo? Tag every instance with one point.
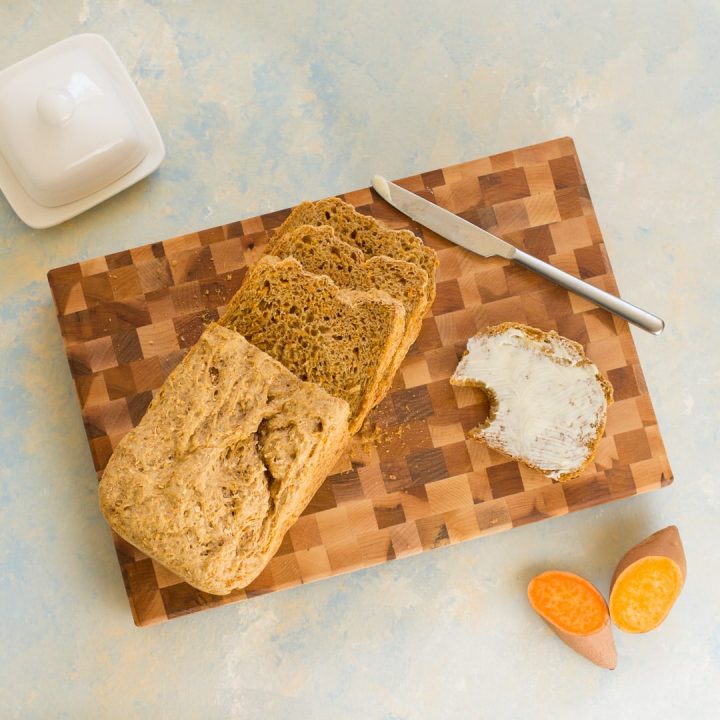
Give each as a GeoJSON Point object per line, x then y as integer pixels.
{"type": "Point", "coordinates": [228, 455]}
{"type": "Point", "coordinates": [548, 401]}
{"type": "Point", "coordinates": [319, 250]}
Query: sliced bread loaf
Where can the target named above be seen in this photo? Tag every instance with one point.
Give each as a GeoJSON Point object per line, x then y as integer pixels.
{"type": "Point", "coordinates": [548, 402]}
{"type": "Point", "coordinates": [320, 251]}
{"type": "Point", "coordinates": [227, 456]}
{"type": "Point", "coordinates": [367, 234]}
{"type": "Point", "coordinates": [343, 340]}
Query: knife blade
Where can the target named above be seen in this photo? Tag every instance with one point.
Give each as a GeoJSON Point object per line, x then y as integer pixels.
{"type": "Point", "coordinates": [471, 237]}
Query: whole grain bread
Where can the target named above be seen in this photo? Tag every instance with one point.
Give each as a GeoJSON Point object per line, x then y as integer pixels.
{"type": "Point", "coordinates": [320, 251]}
{"type": "Point", "coordinates": [548, 401]}
{"type": "Point", "coordinates": [367, 234]}
{"type": "Point", "coordinates": [227, 456]}
{"type": "Point", "coordinates": [343, 340]}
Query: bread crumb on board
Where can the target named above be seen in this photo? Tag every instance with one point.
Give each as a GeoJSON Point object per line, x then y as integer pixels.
{"type": "Point", "coordinates": [370, 436]}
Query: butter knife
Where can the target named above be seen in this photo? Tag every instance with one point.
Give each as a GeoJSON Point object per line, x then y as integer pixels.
{"type": "Point", "coordinates": [471, 237]}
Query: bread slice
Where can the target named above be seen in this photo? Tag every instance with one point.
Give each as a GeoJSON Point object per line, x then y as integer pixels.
{"type": "Point", "coordinates": [227, 456]}
{"type": "Point", "coordinates": [343, 340]}
{"type": "Point", "coordinates": [548, 402]}
{"type": "Point", "coordinates": [367, 234]}
{"type": "Point", "coordinates": [320, 251]}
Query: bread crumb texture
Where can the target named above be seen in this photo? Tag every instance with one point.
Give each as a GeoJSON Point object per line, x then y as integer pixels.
{"type": "Point", "coordinates": [320, 250]}
{"type": "Point", "coordinates": [343, 340]}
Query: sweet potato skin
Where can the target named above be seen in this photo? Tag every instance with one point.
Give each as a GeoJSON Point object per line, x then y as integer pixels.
{"type": "Point", "coordinates": [599, 646]}
{"type": "Point", "coordinates": [663, 543]}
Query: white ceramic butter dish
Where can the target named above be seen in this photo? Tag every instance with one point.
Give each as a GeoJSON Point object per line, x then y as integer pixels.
{"type": "Point", "coordinates": [74, 131]}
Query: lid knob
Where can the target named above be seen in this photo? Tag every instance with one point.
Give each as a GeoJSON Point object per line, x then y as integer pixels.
{"type": "Point", "coordinates": [55, 106]}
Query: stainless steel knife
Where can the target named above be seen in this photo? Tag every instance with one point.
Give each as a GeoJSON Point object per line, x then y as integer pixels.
{"type": "Point", "coordinates": [471, 237]}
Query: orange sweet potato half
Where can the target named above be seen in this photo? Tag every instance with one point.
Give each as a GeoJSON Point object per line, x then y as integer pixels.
{"type": "Point", "coordinates": [647, 582]}
{"type": "Point", "coordinates": [577, 613]}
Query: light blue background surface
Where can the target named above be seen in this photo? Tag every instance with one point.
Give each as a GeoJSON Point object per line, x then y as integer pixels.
{"type": "Point", "coordinates": [262, 104]}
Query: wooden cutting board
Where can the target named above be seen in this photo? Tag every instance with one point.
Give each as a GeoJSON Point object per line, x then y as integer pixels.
{"type": "Point", "coordinates": [412, 481]}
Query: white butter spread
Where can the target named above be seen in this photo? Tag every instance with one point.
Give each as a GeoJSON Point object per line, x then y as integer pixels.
{"type": "Point", "coordinates": [549, 400]}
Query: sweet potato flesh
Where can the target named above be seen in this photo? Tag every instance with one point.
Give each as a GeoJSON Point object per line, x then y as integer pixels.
{"type": "Point", "coordinates": [568, 602]}
{"type": "Point", "coordinates": [644, 593]}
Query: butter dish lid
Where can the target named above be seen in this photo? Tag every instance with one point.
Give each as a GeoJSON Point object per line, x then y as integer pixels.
{"type": "Point", "coordinates": [74, 130]}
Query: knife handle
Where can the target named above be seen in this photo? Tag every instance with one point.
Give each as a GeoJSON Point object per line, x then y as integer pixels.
{"type": "Point", "coordinates": [635, 315]}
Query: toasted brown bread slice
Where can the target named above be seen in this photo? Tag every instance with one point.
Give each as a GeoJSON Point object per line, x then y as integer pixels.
{"type": "Point", "coordinates": [226, 458]}
{"type": "Point", "coordinates": [320, 251]}
{"type": "Point", "coordinates": [548, 401]}
{"type": "Point", "coordinates": [343, 340]}
{"type": "Point", "coordinates": [367, 234]}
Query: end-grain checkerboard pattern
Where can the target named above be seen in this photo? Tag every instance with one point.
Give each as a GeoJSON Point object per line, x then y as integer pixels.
{"type": "Point", "coordinates": [128, 318]}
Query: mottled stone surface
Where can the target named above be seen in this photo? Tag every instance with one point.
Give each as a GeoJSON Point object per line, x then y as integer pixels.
{"type": "Point", "coordinates": [261, 105]}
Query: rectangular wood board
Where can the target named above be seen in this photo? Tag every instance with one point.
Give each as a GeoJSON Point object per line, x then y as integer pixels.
{"type": "Point", "coordinates": [411, 481]}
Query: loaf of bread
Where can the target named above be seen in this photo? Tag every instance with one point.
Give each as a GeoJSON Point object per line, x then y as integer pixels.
{"type": "Point", "coordinates": [548, 402]}
{"type": "Point", "coordinates": [367, 234]}
{"type": "Point", "coordinates": [248, 425]}
{"type": "Point", "coordinates": [227, 456]}
{"type": "Point", "coordinates": [320, 251]}
{"type": "Point", "coordinates": [343, 340]}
